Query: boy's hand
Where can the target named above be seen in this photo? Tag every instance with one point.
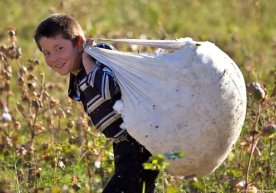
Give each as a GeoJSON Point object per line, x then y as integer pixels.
{"type": "Point", "coordinates": [87, 60]}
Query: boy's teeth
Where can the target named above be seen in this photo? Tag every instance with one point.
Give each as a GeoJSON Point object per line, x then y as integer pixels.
{"type": "Point", "coordinates": [60, 65]}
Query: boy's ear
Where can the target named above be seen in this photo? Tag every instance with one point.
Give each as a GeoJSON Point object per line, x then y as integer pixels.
{"type": "Point", "coordinates": [79, 42]}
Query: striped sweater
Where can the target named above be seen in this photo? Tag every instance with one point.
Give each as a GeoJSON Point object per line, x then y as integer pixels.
{"type": "Point", "coordinates": [98, 91]}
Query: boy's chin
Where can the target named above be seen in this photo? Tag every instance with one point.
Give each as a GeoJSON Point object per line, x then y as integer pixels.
{"type": "Point", "coordinates": [63, 73]}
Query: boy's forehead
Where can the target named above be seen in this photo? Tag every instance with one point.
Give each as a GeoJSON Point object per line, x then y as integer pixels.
{"type": "Point", "coordinates": [53, 41]}
{"type": "Point", "coordinates": [57, 38]}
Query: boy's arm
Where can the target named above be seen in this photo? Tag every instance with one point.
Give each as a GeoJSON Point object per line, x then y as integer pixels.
{"type": "Point", "coordinates": [88, 62]}
{"type": "Point", "coordinates": [99, 76]}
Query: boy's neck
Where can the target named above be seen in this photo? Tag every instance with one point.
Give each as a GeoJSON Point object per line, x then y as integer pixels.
{"type": "Point", "coordinates": [78, 70]}
{"type": "Point", "coordinates": [75, 72]}
{"type": "Point", "coordinates": [79, 66]}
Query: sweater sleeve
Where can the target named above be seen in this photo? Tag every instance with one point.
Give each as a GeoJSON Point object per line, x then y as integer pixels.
{"type": "Point", "coordinates": [102, 78]}
{"type": "Point", "coordinates": [104, 81]}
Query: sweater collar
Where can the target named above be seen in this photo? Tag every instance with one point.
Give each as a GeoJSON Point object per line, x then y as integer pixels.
{"type": "Point", "coordinates": [73, 90]}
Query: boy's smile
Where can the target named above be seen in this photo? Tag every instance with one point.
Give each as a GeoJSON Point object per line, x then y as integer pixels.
{"type": "Point", "coordinates": [60, 54]}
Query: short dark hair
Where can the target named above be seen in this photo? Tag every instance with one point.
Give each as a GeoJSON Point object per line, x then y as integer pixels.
{"type": "Point", "coordinates": [58, 24]}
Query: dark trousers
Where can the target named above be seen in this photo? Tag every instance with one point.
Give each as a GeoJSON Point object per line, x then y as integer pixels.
{"type": "Point", "coordinates": [130, 176]}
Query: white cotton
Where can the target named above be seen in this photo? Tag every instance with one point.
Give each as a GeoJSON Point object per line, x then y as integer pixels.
{"type": "Point", "coordinates": [119, 106]}
{"type": "Point", "coordinates": [61, 164]}
{"type": "Point", "coordinates": [190, 100]}
{"type": "Point", "coordinates": [6, 117]}
{"type": "Point", "coordinates": [97, 164]}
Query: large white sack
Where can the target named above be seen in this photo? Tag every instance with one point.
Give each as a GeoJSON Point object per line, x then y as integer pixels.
{"type": "Point", "coordinates": [192, 100]}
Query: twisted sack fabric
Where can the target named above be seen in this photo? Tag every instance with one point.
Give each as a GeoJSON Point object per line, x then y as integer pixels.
{"type": "Point", "coordinates": [192, 100]}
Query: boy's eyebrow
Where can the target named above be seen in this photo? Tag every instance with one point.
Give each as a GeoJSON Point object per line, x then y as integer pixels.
{"type": "Point", "coordinates": [56, 45]}
{"type": "Point", "coordinates": [43, 51]}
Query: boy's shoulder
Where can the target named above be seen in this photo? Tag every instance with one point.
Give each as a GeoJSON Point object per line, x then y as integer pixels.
{"type": "Point", "coordinates": [105, 46]}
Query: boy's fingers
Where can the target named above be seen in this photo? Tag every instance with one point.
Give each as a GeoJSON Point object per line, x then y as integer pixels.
{"type": "Point", "coordinates": [89, 41]}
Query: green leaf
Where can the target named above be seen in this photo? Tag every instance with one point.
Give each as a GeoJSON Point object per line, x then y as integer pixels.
{"type": "Point", "coordinates": [199, 185]}
{"type": "Point", "coordinates": [56, 190]}
{"type": "Point", "coordinates": [148, 166]}
{"type": "Point", "coordinates": [172, 190]}
{"type": "Point", "coordinates": [174, 155]}
{"type": "Point", "coordinates": [235, 173]}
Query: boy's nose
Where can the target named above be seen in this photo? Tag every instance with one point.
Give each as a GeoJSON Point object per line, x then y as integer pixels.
{"type": "Point", "coordinates": [53, 58]}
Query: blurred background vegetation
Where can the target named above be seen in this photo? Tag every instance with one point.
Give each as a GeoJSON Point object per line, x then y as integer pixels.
{"type": "Point", "coordinates": [244, 29]}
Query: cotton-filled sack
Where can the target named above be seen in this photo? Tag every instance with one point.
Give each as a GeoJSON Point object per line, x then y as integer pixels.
{"type": "Point", "coordinates": [192, 100]}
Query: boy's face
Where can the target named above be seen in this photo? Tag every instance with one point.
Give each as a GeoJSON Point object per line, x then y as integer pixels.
{"type": "Point", "coordinates": [60, 54]}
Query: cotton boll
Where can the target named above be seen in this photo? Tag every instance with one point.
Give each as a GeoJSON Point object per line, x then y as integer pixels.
{"type": "Point", "coordinates": [6, 117]}
{"type": "Point", "coordinates": [119, 106]}
{"type": "Point", "coordinates": [97, 164]}
{"type": "Point", "coordinates": [61, 164]}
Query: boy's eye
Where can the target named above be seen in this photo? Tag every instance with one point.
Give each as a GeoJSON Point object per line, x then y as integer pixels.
{"type": "Point", "coordinates": [46, 53]}
{"type": "Point", "coordinates": [59, 48]}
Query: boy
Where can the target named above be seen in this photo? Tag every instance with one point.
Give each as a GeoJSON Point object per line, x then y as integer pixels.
{"type": "Point", "coordinates": [60, 38]}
